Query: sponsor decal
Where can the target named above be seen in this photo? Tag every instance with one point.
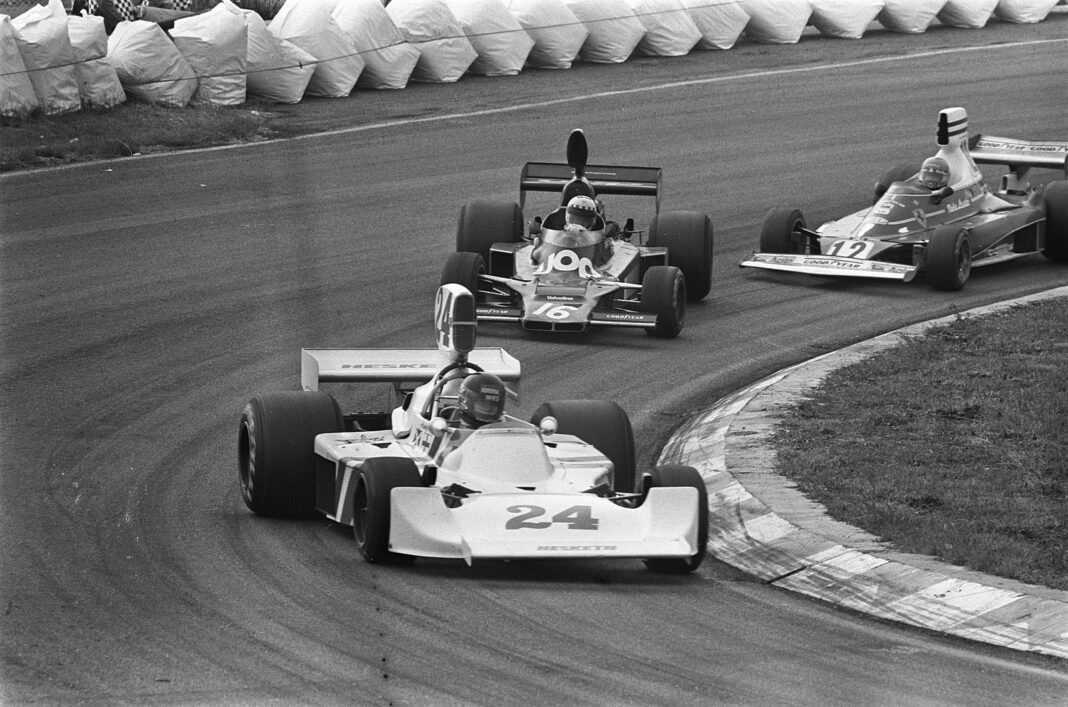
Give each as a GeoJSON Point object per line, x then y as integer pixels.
{"type": "Point", "coordinates": [576, 548]}
{"type": "Point", "coordinates": [566, 261]}
{"type": "Point", "coordinates": [1021, 147]}
{"type": "Point", "coordinates": [625, 317]}
{"type": "Point", "coordinates": [413, 366]}
{"type": "Point", "coordinates": [561, 298]}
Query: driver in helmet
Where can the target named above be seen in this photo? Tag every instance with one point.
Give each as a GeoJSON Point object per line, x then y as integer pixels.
{"type": "Point", "coordinates": [481, 401]}
{"type": "Point", "coordinates": [934, 174]}
{"type": "Point", "coordinates": [580, 214]}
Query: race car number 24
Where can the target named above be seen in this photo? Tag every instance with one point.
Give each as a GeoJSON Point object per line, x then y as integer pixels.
{"type": "Point", "coordinates": [575, 517]}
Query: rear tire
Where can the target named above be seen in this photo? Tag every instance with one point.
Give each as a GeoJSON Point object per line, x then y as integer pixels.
{"type": "Point", "coordinates": [688, 238]}
{"type": "Point", "coordinates": [1056, 198]}
{"type": "Point", "coordinates": [375, 481]}
{"type": "Point", "coordinates": [463, 268]}
{"type": "Point", "coordinates": [898, 174]}
{"type": "Point", "coordinates": [664, 294]}
{"type": "Point", "coordinates": [606, 426]}
{"type": "Point", "coordinates": [483, 223]}
{"type": "Point", "coordinates": [276, 450]}
{"type": "Point", "coordinates": [781, 232]}
{"type": "Point", "coordinates": [949, 258]}
{"type": "Point", "coordinates": [673, 475]}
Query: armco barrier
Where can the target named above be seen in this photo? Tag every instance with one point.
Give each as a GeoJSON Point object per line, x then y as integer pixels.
{"type": "Point", "coordinates": [341, 45]}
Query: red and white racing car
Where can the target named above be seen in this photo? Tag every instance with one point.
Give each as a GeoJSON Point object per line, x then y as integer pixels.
{"type": "Point", "coordinates": [946, 230]}
{"type": "Point", "coordinates": [424, 481]}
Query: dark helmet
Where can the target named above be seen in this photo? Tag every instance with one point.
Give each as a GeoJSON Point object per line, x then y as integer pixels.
{"type": "Point", "coordinates": [581, 211]}
{"type": "Point", "coordinates": [934, 174]}
{"type": "Point", "coordinates": [482, 397]}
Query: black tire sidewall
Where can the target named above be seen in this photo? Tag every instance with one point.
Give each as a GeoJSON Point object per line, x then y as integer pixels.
{"type": "Point", "coordinates": [605, 425]}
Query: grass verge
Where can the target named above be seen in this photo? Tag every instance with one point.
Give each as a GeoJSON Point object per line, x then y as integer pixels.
{"type": "Point", "coordinates": [954, 444]}
{"type": "Point", "coordinates": [129, 129]}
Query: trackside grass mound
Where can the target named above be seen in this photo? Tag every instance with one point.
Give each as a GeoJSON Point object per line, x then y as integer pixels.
{"type": "Point", "coordinates": [954, 444]}
{"type": "Point", "coordinates": [130, 129]}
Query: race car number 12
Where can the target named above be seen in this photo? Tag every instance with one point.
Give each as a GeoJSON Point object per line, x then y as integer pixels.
{"type": "Point", "coordinates": [576, 518]}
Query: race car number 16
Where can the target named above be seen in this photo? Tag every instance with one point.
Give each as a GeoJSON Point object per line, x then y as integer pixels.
{"type": "Point", "coordinates": [556, 311]}
{"type": "Point", "coordinates": [576, 518]}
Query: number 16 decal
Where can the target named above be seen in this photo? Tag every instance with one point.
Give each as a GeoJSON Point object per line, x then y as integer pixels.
{"type": "Point", "coordinates": [576, 518]}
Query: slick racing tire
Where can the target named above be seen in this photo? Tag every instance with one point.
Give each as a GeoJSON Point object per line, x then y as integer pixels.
{"type": "Point", "coordinates": [463, 268]}
{"type": "Point", "coordinates": [483, 223]}
{"type": "Point", "coordinates": [898, 174]}
{"type": "Point", "coordinates": [688, 238]}
{"type": "Point", "coordinates": [606, 426]}
{"type": "Point", "coordinates": [1056, 199]}
{"type": "Point", "coordinates": [949, 258]}
{"type": "Point", "coordinates": [781, 232]}
{"type": "Point", "coordinates": [276, 450]}
{"type": "Point", "coordinates": [679, 475]}
{"type": "Point", "coordinates": [664, 294]}
{"type": "Point", "coordinates": [375, 481]}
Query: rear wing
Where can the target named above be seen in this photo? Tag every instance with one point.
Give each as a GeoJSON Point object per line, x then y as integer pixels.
{"type": "Point", "coordinates": [605, 179]}
{"type": "Point", "coordinates": [987, 149]}
{"type": "Point", "coordinates": [404, 368]}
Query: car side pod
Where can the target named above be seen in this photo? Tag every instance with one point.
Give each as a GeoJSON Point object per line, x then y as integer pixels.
{"type": "Point", "coordinates": [543, 526]}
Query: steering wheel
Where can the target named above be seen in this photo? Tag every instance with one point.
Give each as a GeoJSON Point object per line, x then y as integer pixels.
{"type": "Point", "coordinates": [454, 371]}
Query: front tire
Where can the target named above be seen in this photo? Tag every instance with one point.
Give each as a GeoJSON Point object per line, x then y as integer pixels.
{"type": "Point", "coordinates": [375, 482]}
{"type": "Point", "coordinates": [483, 223]}
{"type": "Point", "coordinates": [606, 426]}
{"type": "Point", "coordinates": [664, 294]}
{"type": "Point", "coordinates": [463, 268]}
{"type": "Point", "coordinates": [783, 232]}
{"type": "Point", "coordinates": [673, 475]}
{"type": "Point", "coordinates": [276, 450]}
{"type": "Point", "coordinates": [688, 238]}
{"type": "Point", "coordinates": [949, 258]}
{"type": "Point", "coordinates": [1056, 199]}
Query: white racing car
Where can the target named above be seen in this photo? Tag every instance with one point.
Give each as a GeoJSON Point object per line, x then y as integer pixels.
{"type": "Point", "coordinates": [447, 474]}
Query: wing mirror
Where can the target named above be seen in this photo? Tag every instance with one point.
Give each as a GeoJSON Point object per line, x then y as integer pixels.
{"type": "Point", "coordinates": [548, 425]}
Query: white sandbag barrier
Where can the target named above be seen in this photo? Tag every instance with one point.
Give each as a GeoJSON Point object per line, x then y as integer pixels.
{"type": "Point", "coordinates": [387, 56]}
{"type": "Point", "coordinates": [967, 14]}
{"type": "Point", "coordinates": [844, 19]}
{"type": "Point", "coordinates": [557, 33]}
{"type": "Point", "coordinates": [909, 16]}
{"type": "Point", "coordinates": [17, 97]}
{"type": "Point", "coordinates": [445, 52]}
{"type": "Point", "coordinates": [777, 21]}
{"type": "Point", "coordinates": [42, 39]}
{"type": "Point", "coordinates": [1024, 11]}
{"type": "Point", "coordinates": [669, 29]}
{"type": "Point", "coordinates": [57, 63]}
{"type": "Point", "coordinates": [311, 26]}
{"type": "Point", "coordinates": [501, 42]}
{"type": "Point", "coordinates": [215, 44]}
{"type": "Point", "coordinates": [149, 66]}
{"type": "Point", "coordinates": [721, 22]}
{"type": "Point", "coordinates": [614, 30]}
{"type": "Point", "coordinates": [278, 70]}
{"type": "Point", "coordinates": [98, 83]}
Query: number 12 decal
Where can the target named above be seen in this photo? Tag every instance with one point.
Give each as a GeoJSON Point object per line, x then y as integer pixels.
{"type": "Point", "coordinates": [576, 518]}
{"type": "Point", "coordinates": [850, 248]}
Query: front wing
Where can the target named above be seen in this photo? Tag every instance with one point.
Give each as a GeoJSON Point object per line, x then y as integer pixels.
{"type": "Point", "coordinates": [543, 526]}
{"type": "Point", "coordinates": [831, 265]}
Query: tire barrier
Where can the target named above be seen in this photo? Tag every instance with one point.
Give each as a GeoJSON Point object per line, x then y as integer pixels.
{"type": "Point", "coordinates": [54, 62]}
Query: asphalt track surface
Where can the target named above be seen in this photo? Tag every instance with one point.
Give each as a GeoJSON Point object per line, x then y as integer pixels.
{"type": "Point", "coordinates": [145, 300]}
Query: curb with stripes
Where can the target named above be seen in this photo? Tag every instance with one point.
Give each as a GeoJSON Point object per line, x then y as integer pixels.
{"type": "Point", "coordinates": [762, 525]}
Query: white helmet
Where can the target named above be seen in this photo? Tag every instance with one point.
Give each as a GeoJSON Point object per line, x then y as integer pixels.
{"type": "Point", "coordinates": [581, 211]}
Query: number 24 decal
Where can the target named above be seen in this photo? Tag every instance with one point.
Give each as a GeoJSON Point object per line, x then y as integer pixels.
{"type": "Point", "coordinates": [576, 518]}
